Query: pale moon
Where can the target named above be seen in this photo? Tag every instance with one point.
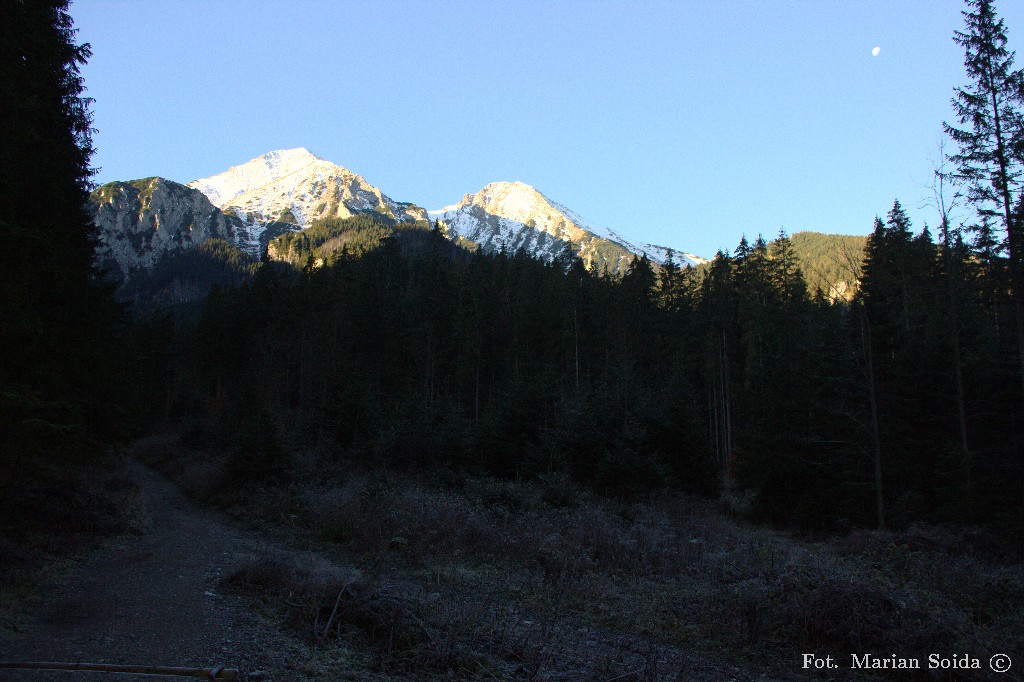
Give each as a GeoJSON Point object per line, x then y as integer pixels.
{"type": "Point", "coordinates": [874, 52]}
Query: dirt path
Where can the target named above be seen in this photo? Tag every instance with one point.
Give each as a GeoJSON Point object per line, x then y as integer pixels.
{"type": "Point", "coordinates": [155, 599]}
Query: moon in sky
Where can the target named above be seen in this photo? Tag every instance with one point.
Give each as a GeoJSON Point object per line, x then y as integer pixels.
{"type": "Point", "coordinates": [874, 52]}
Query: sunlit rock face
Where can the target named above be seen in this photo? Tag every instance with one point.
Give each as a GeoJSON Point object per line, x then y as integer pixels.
{"type": "Point", "coordinates": [294, 187]}
{"type": "Point", "coordinates": [510, 216]}
{"type": "Point", "coordinates": [141, 220]}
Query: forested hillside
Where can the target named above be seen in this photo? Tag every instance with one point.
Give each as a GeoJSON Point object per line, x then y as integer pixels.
{"type": "Point", "coordinates": [830, 262]}
{"type": "Point", "coordinates": [399, 349]}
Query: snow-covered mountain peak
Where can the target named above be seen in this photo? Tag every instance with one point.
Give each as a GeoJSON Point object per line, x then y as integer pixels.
{"type": "Point", "coordinates": [227, 187]}
{"type": "Point", "coordinates": [294, 186]}
{"type": "Point", "coordinates": [299, 153]}
{"type": "Point", "coordinates": [504, 215]}
{"type": "Point", "coordinates": [283, 161]}
{"type": "Point", "coordinates": [514, 192]}
{"type": "Point", "coordinates": [516, 201]}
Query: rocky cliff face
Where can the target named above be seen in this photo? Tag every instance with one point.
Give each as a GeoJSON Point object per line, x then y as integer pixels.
{"type": "Point", "coordinates": [141, 220]}
{"type": "Point", "coordinates": [295, 187]}
{"type": "Point", "coordinates": [512, 215]}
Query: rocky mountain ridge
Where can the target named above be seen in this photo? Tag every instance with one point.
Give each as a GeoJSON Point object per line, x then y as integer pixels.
{"type": "Point", "coordinates": [288, 190]}
{"type": "Point", "coordinates": [513, 215]}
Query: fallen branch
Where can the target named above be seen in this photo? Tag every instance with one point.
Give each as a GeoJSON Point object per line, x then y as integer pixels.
{"type": "Point", "coordinates": [217, 673]}
{"type": "Point", "coordinates": [334, 612]}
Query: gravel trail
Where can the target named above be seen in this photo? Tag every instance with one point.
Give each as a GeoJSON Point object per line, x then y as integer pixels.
{"type": "Point", "coordinates": [155, 599]}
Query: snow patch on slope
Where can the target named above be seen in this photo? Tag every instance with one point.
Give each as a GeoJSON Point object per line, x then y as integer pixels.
{"type": "Point", "coordinates": [658, 254]}
{"type": "Point", "coordinates": [497, 215]}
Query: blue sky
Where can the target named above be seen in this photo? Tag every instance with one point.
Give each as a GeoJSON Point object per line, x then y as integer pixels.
{"type": "Point", "coordinates": [680, 123]}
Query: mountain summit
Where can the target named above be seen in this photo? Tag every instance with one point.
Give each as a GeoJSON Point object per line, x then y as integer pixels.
{"type": "Point", "coordinates": [293, 187]}
{"type": "Point", "coordinates": [289, 189]}
{"type": "Point", "coordinates": [237, 181]}
{"type": "Point", "coordinates": [513, 215]}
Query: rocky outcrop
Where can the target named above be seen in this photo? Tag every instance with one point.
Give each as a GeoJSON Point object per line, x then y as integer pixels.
{"type": "Point", "coordinates": [141, 220]}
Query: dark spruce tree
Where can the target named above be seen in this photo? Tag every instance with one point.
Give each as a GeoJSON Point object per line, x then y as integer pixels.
{"type": "Point", "coordinates": [54, 314]}
{"type": "Point", "coordinates": [990, 138]}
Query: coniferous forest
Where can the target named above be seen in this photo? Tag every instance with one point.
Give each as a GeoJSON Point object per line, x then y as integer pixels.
{"type": "Point", "coordinates": [751, 383]}
{"type": "Point", "coordinates": [403, 350]}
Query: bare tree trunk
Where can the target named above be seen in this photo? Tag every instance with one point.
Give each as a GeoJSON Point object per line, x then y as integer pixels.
{"type": "Point", "coordinates": [952, 277]}
{"type": "Point", "coordinates": [576, 340]}
{"type": "Point", "coordinates": [1017, 291]}
{"type": "Point", "coordinates": [876, 440]}
{"type": "Point", "coordinates": [727, 435]}
{"type": "Point", "coordinates": [713, 423]}
{"type": "Point", "coordinates": [961, 402]}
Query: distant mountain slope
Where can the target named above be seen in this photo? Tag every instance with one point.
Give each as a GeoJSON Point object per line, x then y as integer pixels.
{"type": "Point", "coordinates": [140, 221]}
{"type": "Point", "coordinates": [830, 262]}
{"type": "Point", "coordinates": [511, 216]}
{"type": "Point", "coordinates": [284, 191]}
{"type": "Point", "coordinates": [295, 187]}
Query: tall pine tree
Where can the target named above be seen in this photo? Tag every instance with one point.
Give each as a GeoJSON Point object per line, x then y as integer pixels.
{"type": "Point", "coordinates": [990, 141]}
{"type": "Point", "coordinates": [55, 331]}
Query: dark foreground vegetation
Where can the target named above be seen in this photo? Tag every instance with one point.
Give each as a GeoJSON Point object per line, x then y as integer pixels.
{"type": "Point", "coordinates": [62, 407]}
{"type": "Point", "coordinates": [476, 577]}
{"type": "Point", "coordinates": [540, 471]}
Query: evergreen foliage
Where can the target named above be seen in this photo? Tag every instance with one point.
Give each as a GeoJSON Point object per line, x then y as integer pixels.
{"type": "Point", "coordinates": [830, 262]}
{"type": "Point", "coordinates": [66, 361]}
{"type": "Point", "coordinates": [990, 144]}
{"type": "Point", "coordinates": [409, 356]}
{"type": "Point", "coordinates": [418, 354]}
{"type": "Point", "coordinates": [327, 240]}
{"type": "Point", "coordinates": [59, 325]}
{"type": "Point", "coordinates": [181, 280]}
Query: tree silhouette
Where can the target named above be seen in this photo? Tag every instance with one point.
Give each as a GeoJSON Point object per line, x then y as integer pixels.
{"type": "Point", "coordinates": [990, 155]}
{"type": "Point", "coordinates": [56, 319]}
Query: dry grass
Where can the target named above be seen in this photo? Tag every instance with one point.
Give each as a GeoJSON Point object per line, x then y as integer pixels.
{"type": "Point", "coordinates": [499, 580]}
